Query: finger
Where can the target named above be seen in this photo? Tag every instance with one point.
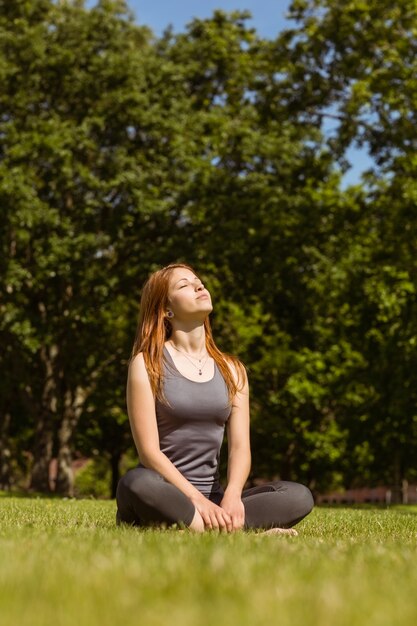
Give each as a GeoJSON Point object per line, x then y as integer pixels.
{"type": "Point", "coordinates": [214, 521]}
{"type": "Point", "coordinates": [225, 519]}
{"type": "Point", "coordinates": [229, 522]}
{"type": "Point", "coordinates": [213, 518]}
{"type": "Point", "coordinates": [206, 519]}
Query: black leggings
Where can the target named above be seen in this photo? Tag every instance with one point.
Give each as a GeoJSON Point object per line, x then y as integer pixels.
{"type": "Point", "coordinates": [145, 498]}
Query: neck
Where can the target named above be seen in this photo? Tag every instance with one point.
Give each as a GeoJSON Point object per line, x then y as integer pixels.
{"type": "Point", "coordinates": [192, 341]}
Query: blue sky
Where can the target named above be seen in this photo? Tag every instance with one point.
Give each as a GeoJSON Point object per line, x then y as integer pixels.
{"type": "Point", "coordinates": [268, 15]}
{"type": "Point", "coordinates": [268, 18]}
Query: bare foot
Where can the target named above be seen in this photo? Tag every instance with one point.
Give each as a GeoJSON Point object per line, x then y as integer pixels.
{"type": "Point", "coordinates": [280, 531]}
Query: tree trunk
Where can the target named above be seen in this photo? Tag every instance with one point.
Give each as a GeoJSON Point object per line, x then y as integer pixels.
{"type": "Point", "coordinates": [65, 475]}
{"type": "Point", "coordinates": [44, 431]}
{"type": "Point", "coordinates": [42, 455]}
{"type": "Point", "coordinates": [73, 406]}
{"type": "Point", "coordinates": [5, 454]}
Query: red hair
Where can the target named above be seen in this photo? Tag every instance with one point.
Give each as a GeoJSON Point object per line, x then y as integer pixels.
{"type": "Point", "coordinates": [154, 329]}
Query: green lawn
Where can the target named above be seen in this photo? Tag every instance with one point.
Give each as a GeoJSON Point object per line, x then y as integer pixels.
{"type": "Point", "coordinates": [64, 562]}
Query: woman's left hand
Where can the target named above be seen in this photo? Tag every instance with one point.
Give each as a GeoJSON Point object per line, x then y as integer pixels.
{"type": "Point", "coordinates": [233, 505]}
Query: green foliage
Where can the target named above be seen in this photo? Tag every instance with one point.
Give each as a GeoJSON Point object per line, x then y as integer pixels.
{"type": "Point", "coordinates": [122, 152]}
{"type": "Point", "coordinates": [93, 479]}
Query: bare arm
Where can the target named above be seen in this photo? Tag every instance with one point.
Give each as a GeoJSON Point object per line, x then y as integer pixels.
{"type": "Point", "coordinates": [142, 418]}
{"type": "Point", "coordinates": [239, 457]}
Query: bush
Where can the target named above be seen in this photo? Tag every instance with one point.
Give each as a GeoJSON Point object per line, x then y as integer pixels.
{"type": "Point", "coordinates": [94, 479]}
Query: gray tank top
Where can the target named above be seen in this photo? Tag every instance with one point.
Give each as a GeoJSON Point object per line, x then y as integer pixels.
{"type": "Point", "coordinates": [191, 425]}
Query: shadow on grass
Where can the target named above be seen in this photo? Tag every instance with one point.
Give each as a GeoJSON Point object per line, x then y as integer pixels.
{"type": "Point", "coordinates": [29, 494]}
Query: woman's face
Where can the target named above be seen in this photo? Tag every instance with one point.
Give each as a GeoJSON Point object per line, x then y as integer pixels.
{"type": "Point", "coordinates": [188, 299]}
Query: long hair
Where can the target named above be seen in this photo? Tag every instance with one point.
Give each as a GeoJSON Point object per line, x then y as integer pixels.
{"type": "Point", "coordinates": [154, 328]}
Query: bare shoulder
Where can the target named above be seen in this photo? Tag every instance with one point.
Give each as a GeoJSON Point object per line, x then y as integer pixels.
{"type": "Point", "coordinates": [137, 368]}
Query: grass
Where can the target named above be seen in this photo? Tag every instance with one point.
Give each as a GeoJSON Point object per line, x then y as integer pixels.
{"type": "Point", "coordinates": [64, 562]}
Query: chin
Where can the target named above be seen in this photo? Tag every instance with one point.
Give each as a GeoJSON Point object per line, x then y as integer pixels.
{"type": "Point", "coordinates": [205, 312]}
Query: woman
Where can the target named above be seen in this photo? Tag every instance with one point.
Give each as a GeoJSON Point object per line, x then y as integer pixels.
{"type": "Point", "coordinates": [181, 393]}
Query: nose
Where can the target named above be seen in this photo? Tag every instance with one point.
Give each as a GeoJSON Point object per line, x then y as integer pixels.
{"type": "Point", "coordinates": [199, 286]}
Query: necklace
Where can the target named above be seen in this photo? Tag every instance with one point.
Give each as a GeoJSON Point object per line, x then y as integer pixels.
{"type": "Point", "coordinates": [189, 357]}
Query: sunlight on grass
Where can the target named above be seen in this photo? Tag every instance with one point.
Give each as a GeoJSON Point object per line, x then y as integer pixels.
{"type": "Point", "coordinates": [65, 562]}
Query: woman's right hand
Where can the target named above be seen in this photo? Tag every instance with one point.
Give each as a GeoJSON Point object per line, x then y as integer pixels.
{"type": "Point", "coordinates": [213, 516]}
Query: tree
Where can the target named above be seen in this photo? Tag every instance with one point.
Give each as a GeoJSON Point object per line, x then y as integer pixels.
{"type": "Point", "coordinates": [121, 153]}
{"type": "Point", "coordinates": [355, 62]}
{"type": "Point", "coordinates": [256, 204]}
{"type": "Point", "coordinates": [71, 84]}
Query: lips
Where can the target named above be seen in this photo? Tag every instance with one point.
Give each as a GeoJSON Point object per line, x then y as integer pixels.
{"type": "Point", "coordinates": [203, 295]}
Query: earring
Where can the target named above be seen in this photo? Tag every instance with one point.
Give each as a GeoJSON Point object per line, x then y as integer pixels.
{"type": "Point", "coordinates": [170, 314]}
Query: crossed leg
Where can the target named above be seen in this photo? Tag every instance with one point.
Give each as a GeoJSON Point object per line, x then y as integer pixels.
{"type": "Point", "coordinates": [144, 498]}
